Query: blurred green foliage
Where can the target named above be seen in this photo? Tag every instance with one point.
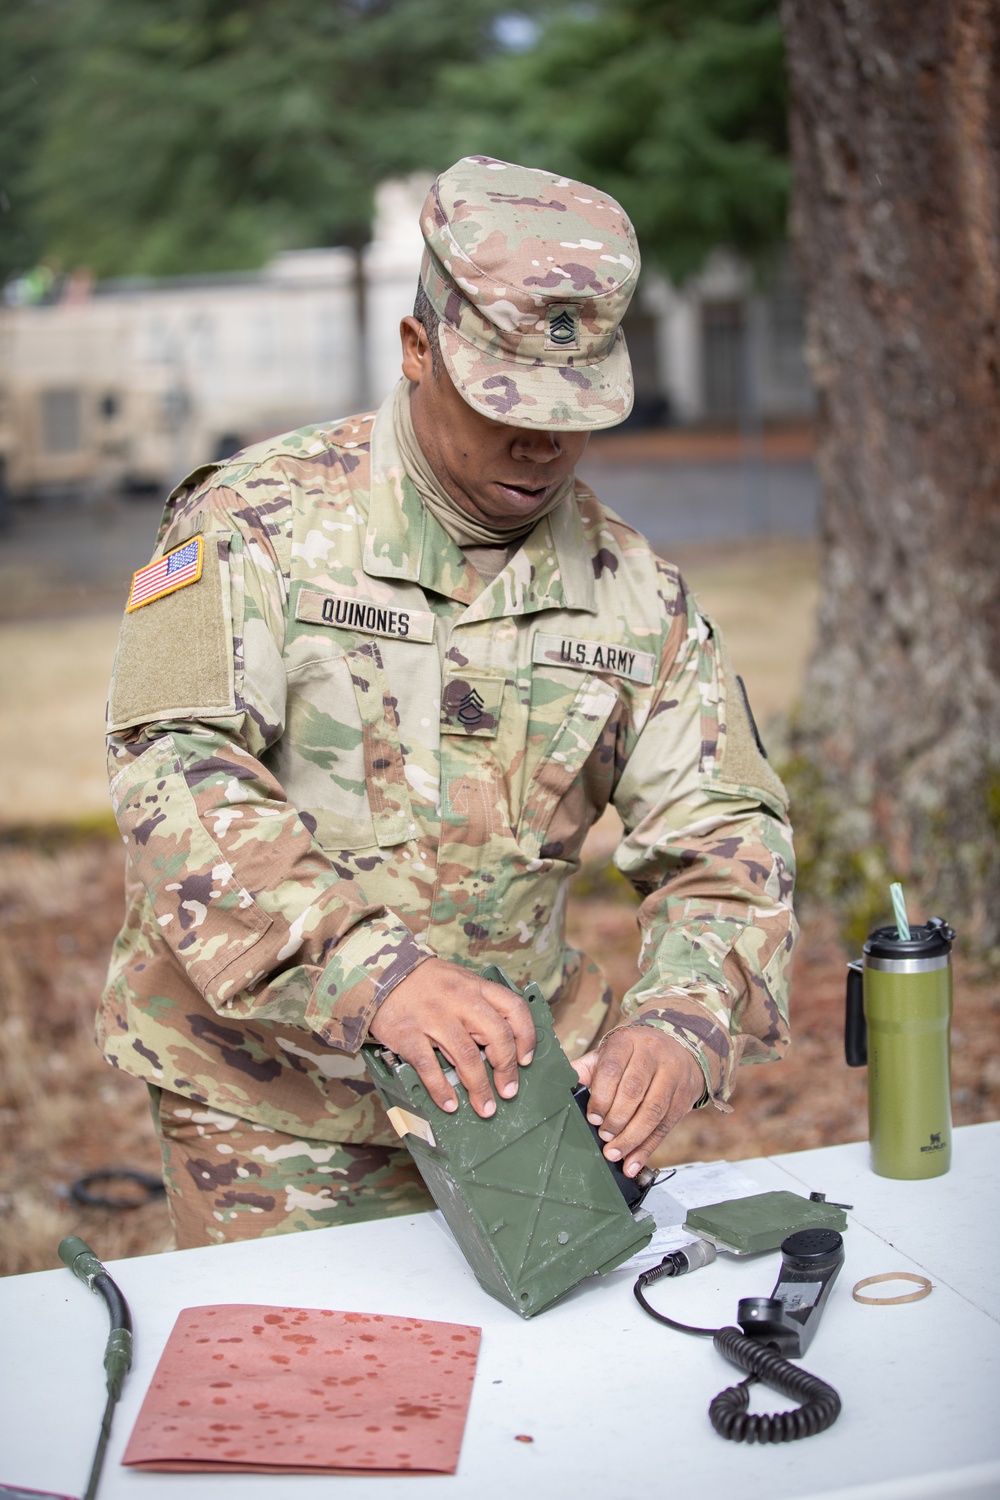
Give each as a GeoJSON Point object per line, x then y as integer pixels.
{"type": "Point", "coordinates": [676, 107]}
{"type": "Point", "coordinates": [32, 69]}
{"type": "Point", "coordinates": [171, 136]}
{"type": "Point", "coordinates": [199, 135]}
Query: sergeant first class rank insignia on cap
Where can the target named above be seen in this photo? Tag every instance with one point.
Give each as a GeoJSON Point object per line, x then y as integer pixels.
{"type": "Point", "coordinates": [167, 574]}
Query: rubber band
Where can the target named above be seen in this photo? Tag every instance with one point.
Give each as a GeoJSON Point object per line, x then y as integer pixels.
{"type": "Point", "coordinates": [924, 1288]}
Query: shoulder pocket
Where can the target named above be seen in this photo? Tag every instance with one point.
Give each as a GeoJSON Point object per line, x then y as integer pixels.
{"type": "Point", "coordinates": [732, 762]}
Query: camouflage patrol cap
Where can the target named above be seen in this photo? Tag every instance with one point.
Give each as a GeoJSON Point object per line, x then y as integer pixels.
{"type": "Point", "coordinates": [530, 274]}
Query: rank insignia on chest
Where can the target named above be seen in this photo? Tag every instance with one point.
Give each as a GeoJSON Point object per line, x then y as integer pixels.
{"type": "Point", "coordinates": [471, 703]}
{"type": "Point", "coordinates": [593, 656]}
{"type": "Point", "coordinates": [165, 575]}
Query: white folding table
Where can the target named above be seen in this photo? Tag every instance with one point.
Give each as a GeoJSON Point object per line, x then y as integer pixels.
{"type": "Point", "coordinates": [616, 1404]}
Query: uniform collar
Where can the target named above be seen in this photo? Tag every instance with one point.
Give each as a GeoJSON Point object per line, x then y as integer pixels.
{"type": "Point", "coordinates": [551, 569]}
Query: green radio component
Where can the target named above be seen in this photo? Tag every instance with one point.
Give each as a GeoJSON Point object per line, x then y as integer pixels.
{"type": "Point", "coordinates": [529, 1197]}
{"type": "Point", "coordinates": [747, 1226]}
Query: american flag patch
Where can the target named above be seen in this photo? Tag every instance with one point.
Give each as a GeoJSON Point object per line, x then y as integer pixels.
{"type": "Point", "coordinates": [174, 571]}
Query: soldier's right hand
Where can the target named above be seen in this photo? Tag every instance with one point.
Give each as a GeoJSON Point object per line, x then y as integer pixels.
{"type": "Point", "coordinates": [443, 1006]}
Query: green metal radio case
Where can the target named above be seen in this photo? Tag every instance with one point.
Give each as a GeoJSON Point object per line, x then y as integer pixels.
{"type": "Point", "coordinates": [748, 1226]}
{"type": "Point", "coordinates": [529, 1197]}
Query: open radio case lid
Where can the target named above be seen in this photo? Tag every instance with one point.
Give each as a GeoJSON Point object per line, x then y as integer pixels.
{"type": "Point", "coordinates": [527, 1194]}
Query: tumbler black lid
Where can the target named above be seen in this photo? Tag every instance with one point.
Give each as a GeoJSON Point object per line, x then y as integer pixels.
{"type": "Point", "coordinates": [932, 939]}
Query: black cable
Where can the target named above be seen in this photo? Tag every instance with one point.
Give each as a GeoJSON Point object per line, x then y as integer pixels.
{"type": "Point", "coordinates": [117, 1362]}
{"type": "Point", "coordinates": [82, 1192]}
{"type": "Point", "coordinates": [671, 1265]}
{"type": "Point", "coordinates": [77, 1255]}
{"type": "Point", "coordinates": [819, 1403]}
{"type": "Point", "coordinates": [118, 1309]}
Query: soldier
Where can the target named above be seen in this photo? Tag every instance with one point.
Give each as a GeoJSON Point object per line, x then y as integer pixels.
{"type": "Point", "coordinates": [379, 680]}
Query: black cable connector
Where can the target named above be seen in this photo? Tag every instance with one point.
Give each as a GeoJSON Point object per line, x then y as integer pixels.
{"type": "Point", "coordinates": [677, 1263]}
{"type": "Point", "coordinates": [77, 1255]}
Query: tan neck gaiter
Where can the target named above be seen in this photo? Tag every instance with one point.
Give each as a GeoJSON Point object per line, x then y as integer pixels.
{"type": "Point", "coordinates": [469, 533]}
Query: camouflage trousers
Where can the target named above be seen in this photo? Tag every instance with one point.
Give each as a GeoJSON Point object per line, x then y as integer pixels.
{"type": "Point", "coordinates": [230, 1179]}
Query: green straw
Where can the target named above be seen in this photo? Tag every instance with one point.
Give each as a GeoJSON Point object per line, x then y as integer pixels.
{"type": "Point", "coordinates": [899, 908]}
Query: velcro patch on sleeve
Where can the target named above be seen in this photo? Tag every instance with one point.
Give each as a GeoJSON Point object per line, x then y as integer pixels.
{"type": "Point", "coordinates": [741, 760]}
{"type": "Point", "coordinates": [177, 660]}
{"type": "Point", "coordinates": [593, 656]}
{"type": "Point", "coordinates": [365, 616]}
{"type": "Point", "coordinates": [165, 575]}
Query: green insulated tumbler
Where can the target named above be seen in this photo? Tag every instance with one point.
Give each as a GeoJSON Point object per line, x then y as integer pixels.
{"type": "Point", "coordinates": [899, 1023]}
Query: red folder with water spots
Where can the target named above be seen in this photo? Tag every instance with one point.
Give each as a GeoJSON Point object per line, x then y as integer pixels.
{"type": "Point", "coordinates": [292, 1390]}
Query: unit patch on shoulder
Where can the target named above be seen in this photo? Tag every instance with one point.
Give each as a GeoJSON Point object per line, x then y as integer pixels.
{"type": "Point", "coordinates": [349, 612]}
{"type": "Point", "coordinates": [594, 656]}
{"type": "Point", "coordinates": [165, 575]}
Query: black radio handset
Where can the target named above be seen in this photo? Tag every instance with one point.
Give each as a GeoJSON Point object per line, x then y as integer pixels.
{"type": "Point", "coordinates": [810, 1263]}
{"type": "Point", "coordinates": [772, 1331]}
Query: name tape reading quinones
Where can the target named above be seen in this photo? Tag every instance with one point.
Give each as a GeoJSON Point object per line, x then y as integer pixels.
{"type": "Point", "coordinates": [593, 656]}
{"type": "Point", "coordinates": [348, 612]}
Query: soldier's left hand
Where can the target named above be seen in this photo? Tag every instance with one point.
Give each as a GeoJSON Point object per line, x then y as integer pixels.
{"type": "Point", "coordinates": [641, 1083]}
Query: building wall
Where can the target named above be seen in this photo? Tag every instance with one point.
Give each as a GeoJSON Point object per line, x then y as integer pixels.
{"type": "Point", "coordinates": [731, 350]}
{"type": "Point", "coordinates": [392, 267]}
{"type": "Point", "coordinates": [162, 374]}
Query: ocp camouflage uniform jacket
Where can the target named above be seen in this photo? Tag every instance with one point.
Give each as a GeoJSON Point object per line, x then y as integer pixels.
{"type": "Point", "coordinates": [335, 753]}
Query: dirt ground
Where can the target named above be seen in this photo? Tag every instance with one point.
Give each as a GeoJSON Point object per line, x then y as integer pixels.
{"type": "Point", "coordinates": [64, 1112]}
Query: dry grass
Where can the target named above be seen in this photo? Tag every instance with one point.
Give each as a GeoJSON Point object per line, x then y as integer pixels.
{"type": "Point", "coordinates": [764, 595]}
{"type": "Point", "coordinates": [53, 687]}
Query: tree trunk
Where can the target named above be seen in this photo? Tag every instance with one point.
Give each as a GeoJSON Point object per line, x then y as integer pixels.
{"type": "Point", "coordinates": [895, 115]}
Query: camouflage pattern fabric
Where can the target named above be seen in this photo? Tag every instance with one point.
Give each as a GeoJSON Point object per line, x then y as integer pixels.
{"type": "Point", "coordinates": [228, 1179]}
{"type": "Point", "coordinates": [337, 753]}
{"type": "Point", "coordinates": [531, 275]}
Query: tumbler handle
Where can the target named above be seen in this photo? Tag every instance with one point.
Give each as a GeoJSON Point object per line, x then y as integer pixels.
{"type": "Point", "coordinates": [855, 1029]}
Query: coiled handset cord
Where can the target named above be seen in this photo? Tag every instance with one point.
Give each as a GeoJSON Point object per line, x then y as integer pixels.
{"type": "Point", "coordinates": [819, 1403]}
